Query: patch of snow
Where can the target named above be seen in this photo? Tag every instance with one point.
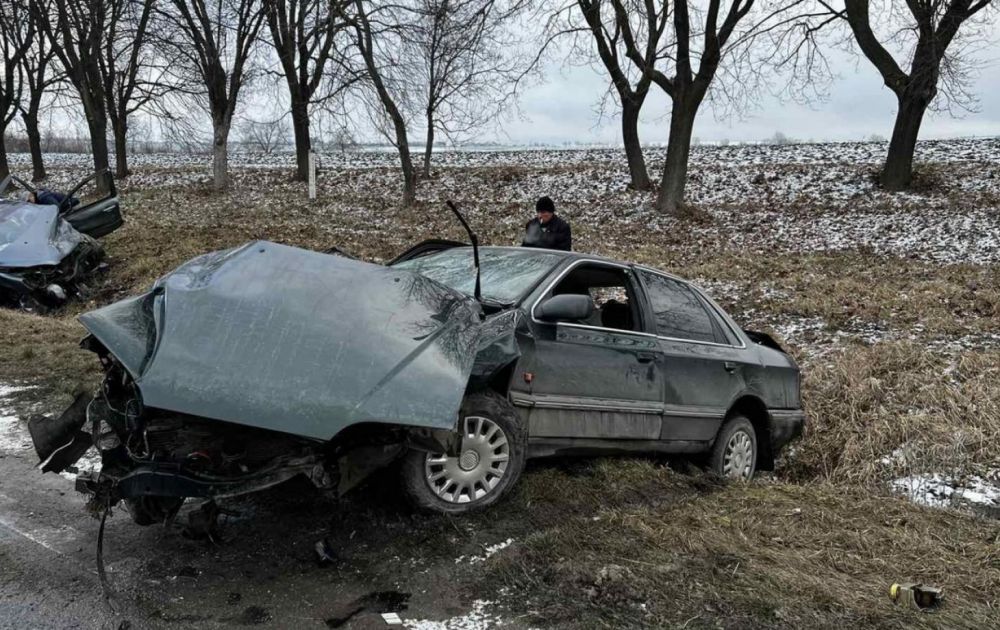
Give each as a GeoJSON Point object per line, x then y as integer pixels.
{"type": "Point", "coordinates": [939, 490]}
{"type": "Point", "coordinates": [477, 619]}
{"type": "Point", "coordinates": [14, 436]}
{"type": "Point", "coordinates": [489, 551]}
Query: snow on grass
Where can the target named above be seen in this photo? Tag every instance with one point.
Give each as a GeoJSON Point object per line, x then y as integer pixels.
{"type": "Point", "coordinates": [14, 437]}
{"type": "Point", "coordinates": [488, 551]}
{"type": "Point", "coordinates": [479, 618]}
{"type": "Point", "coordinates": [940, 490]}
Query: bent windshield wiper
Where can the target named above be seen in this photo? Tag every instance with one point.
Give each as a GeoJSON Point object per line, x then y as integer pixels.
{"type": "Point", "coordinates": [475, 247]}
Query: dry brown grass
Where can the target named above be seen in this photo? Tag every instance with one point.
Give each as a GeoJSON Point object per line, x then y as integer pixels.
{"type": "Point", "coordinates": [759, 556]}
{"type": "Point", "coordinates": [919, 410]}
{"type": "Point", "coordinates": [918, 297]}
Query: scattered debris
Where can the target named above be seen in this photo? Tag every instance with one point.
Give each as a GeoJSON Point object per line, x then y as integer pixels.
{"type": "Point", "coordinates": [325, 556]}
{"type": "Point", "coordinates": [916, 596]}
{"type": "Point", "coordinates": [377, 601]}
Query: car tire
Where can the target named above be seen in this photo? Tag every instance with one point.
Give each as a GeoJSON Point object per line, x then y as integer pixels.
{"type": "Point", "coordinates": [734, 454]}
{"type": "Point", "coordinates": [494, 446]}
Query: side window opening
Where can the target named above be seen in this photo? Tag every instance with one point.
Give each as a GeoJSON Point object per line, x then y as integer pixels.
{"type": "Point", "coordinates": [678, 312]}
{"type": "Point", "coordinates": [615, 305]}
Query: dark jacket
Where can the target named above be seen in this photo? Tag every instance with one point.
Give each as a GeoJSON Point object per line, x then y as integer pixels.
{"type": "Point", "coordinates": [555, 234]}
{"type": "Point", "coordinates": [51, 198]}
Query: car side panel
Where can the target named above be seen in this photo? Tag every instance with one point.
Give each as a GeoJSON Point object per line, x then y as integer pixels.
{"type": "Point", "coordinates": [589, 383]}
{"type": "Point", "coordinates": [699, 388]}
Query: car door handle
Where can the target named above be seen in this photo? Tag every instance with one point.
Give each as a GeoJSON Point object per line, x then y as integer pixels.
{"type": "Point", "coordinates": [646, 357]}
{"type": "Point", "coordinates": [730, 366]}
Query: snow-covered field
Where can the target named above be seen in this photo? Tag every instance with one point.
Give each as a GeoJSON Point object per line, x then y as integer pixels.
{"type": "Point", "coordinates": [793, 198]}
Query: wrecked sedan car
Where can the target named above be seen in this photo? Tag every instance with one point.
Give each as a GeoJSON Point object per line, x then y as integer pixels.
{"type": "Point", "coordinates": [246, 367]}
{"type": "Point", "coordinates": [48, 251]}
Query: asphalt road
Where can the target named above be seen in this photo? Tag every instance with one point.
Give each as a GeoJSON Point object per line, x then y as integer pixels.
{"type": "Point", "coordinates": [262, 573]}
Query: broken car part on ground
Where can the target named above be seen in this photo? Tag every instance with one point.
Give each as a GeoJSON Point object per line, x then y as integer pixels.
{"type": "Point", "coordinates": [48, 251]}
{"type": "Point", "coordinates": [246, 367]}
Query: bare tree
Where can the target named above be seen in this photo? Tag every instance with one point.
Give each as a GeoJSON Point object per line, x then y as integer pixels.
{"type": "Point", "coordinates": [601, 33]}
{"type": "Point", "coordinates": [266, 136]}
{"type": "Point", "coordinates": [42, 77]}
{"type": "Point", "coordinates": [376, 36]}
{"type": "Point", "coordinates": [687, 87]}
{"type": "Point", "coordinates": [303, 33]}
{"type": "Point", "coordinates": [127, 69]}
{"type": "Point", "coordinates": [923, 32]}
{"type": "Point", "coordinates": [210, 43]}
{"type": "Point", "coordinates": [686, 48]}
{"type": "Point", "coordinates": [468, 59]}
{"type": "Point", "coordinates": [12, 21]}
{"type": "Point", "coordinates": [76, 29]}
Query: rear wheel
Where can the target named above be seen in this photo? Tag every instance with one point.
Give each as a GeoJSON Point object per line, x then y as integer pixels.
{"type": "Point", "coordinates": [492, 457]}
{"type": "Point", "coordinates": [734, 454]}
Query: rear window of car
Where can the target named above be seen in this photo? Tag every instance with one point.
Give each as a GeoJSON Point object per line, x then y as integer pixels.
{"type": "Point", "coordinates": [677, 310]}
{"type": "Point", "coordinates": [507, 274]}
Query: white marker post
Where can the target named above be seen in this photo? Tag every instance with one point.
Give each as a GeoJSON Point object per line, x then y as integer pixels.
{"type": "Point", "coordinates": [312, 176]}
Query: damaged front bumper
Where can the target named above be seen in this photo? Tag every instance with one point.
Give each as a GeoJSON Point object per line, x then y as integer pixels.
{"type": "Point", "coordinates": [146, 454]}
{"type": "Point", "coordinates": [171, 480]}
{"type": "Point", "coordinates": [124, 475]}
{"type": "Point", "coordinates": [51, 285]}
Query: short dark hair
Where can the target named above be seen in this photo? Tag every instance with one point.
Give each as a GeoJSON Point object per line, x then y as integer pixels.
{"type": "Point", "coordinates": [545, 204]}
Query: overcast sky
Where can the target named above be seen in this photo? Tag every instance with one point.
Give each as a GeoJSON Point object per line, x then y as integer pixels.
{"type": "Point", "coordinates": [562, 108]}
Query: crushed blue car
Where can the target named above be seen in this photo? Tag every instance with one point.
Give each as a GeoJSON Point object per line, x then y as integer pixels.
{"type": "Point", "coordinates": [48, 252]}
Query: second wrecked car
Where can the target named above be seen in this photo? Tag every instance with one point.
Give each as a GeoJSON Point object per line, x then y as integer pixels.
{"type": "Point", "coordinates": [246, 367]}
{"type": "Point", "coordinates": [48, 251]}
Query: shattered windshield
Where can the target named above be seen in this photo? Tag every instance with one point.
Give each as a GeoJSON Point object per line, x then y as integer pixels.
{"type": "Point", "coordinates": [506, 273]}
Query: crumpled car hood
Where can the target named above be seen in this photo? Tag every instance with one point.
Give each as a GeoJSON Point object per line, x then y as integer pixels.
{"type": "Point", "coordinates": [297, 341]}
{"type": "Point", "coordinates": [32, 235]}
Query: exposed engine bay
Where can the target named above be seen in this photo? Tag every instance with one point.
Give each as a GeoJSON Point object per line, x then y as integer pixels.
{"type": "Point", "coordinates": [154, 459]}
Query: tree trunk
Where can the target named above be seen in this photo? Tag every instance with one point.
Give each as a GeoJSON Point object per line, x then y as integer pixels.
{"type": "Point", "coordinates": [220, 156]}
{"type": "Point", "coordinates": [303, 143]}
{"type": "Point", "coordinates": [98, 127]}
{"type": "Point", "coordinates": [4, 165]}
{"type": "Point", "coordinates": [633, 149]}
{"type": "Point", "coordinates": [898, 169]}
{"type": "Point", "coordinates": [121, 150]}
{"type": "Point", "coordinates": [409, 176]}
{"type": "Point", "coordinates": [430, 145]}
{"type": "Point", "coordinates": [30, 119]}
{"type": "Point", "coordinates": [671, 197]}
{"type": "Point", "coordinates": [403, 146]}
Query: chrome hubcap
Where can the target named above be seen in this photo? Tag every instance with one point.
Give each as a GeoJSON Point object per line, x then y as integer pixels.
{"type": "Point", "coordinates": [738, 460]}
{"type": "Point", "coordinates": [469, 460]}
{"type": "Point", "coordinates": [478, 470]}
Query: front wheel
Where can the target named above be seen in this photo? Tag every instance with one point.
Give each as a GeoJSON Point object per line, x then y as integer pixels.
{"type": "Point", "coordinates": [734, 454]}
{"type": "Point", "coordinates": [492, 457]}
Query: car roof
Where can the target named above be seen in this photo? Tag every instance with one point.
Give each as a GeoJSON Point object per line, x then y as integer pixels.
{"type": "Point", "coordinates": [563, 253]}
{"type": "Point", "coordinates": [576, 256]}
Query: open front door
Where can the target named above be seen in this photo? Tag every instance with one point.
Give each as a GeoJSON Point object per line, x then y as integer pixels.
{"type": "Point", "coordinates": [97, 218]}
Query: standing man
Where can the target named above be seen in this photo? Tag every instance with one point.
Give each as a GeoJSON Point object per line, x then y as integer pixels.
{"type": "Point", "coordinates": [547, 230]}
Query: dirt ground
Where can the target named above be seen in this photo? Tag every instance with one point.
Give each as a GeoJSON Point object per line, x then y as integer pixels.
{"type": "Point", "coordinates": [896, 336]}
